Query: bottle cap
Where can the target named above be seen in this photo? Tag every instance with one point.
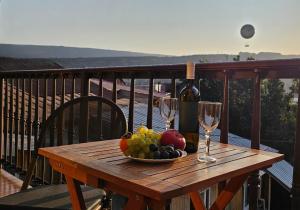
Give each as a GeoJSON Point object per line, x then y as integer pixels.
{"type": "Point", "coordinates": [190, 70]}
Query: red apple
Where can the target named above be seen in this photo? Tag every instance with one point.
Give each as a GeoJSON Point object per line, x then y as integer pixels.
{"type": "Point", "coordinates": [173, 137]}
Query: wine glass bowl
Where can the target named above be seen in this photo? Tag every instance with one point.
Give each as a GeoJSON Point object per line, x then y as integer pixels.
{"type": "Point", "coordinates": [168, 107]}
{"type": "Point", "coordinates": [209, 114]}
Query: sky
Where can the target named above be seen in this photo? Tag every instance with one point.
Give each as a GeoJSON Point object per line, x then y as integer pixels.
{"type": "Point", "coordinates": [170, 27]}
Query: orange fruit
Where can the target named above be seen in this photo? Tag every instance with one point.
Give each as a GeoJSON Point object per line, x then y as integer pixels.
{"type": "Point", "coordinates": [123, 145]}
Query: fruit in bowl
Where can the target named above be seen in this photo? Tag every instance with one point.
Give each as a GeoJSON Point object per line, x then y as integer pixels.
{"type": "Point", "coordinates": [147, 144]}
{"type": "Point", "coordinates": [173, 137]}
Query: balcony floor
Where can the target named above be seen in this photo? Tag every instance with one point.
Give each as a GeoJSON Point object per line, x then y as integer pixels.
{"type": "Point", "coordinates": [8, 183]}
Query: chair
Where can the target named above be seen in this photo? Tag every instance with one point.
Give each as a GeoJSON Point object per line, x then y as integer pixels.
{"type": "Point", "coordinates": [83, 119]}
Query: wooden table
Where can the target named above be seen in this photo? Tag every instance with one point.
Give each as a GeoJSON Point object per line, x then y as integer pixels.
{"type": "Point", "coordinates": [101, 164]}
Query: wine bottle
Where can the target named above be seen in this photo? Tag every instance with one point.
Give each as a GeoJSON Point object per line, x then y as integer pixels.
{"type": "Point", "coordinates": [188, 110]}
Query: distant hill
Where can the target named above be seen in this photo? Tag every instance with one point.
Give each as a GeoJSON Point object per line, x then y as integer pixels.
{"type": "Point", "coordinates": [42, 51]}
{"type": "Point", "coordinates": [98, 57]}
{"type": "Point", "coordinates": [155, 60]}
{"type": "Point", "coordinates": [136, 61]}
{"type": "Point", "coordinates": [266, 56]}
{"type": "Point", "coordinates": [7, 64]}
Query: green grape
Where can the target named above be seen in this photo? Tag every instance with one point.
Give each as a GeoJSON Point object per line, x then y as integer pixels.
{"type": "Point", "coordinates": [129, 142]}
{"type": "Point", "coordinates": [135, 142]}
{"type": "Point", "coordinates": [155, 141]}
{"type": "Point", "coordinates": [154, 136]}
{"type": "Point", "coordinates": [143, 142]}
{"type": "Point", "coordinates": [134, 136]}
{"type": "Point", "coordinates": [130, 150]}
{"type": "Point", "coordinates": [150, 131]}
{"type": "Point", "coordinates": [136, 155]}
{"type": "Point", "coordinates": [145, 148]}
{"type": "Point", "coordinates": [137, 147]}
{"type": "Point", "coordinates": [138, 144]}
{"type": "Point", "coordinates": [151, 155]}
{"type": "Point", "coordinates": [142, 130]}
{"type": "Point", "coordinates": [142, 136]}
{"type": "Point", "coordinates": [148, 141]}
{"type": "Point", "coordinates": [127, 153]}
{"type": "Point", "coordinates": [141, 155]}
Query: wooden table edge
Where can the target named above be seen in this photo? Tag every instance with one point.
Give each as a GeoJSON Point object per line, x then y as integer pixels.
{"type": "Point", "coordinates": [223, 177]}
{"type": "Point", "coordinates": [100, 176]}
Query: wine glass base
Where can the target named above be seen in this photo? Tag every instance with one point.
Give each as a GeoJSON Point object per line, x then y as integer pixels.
{"type": "Point", "coordinates": [207, 159]}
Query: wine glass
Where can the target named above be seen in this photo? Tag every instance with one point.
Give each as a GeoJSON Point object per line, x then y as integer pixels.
{"type": "Point", "coordinates": [168, 108]}
{"type": "Point", "coordinates": [209, 114]}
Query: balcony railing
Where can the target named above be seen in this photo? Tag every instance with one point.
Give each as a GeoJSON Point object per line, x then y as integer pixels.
{"type": "Point", "coordinates": [28, 97]}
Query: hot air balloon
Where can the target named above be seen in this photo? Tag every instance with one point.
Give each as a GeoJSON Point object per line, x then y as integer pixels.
{"type": "Point", "coordinates": [247, 31]}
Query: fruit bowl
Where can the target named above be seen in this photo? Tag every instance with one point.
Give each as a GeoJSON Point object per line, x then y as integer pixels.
{"type": "Point", "coordinates": [158, 160]}
{"type": "Point", "coordinates": [146, 145]}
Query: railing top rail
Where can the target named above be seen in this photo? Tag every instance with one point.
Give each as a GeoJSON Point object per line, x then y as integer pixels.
{"type": "Point", "coordinates": [284, 68]}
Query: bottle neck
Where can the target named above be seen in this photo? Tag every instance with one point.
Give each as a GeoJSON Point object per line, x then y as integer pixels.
{"type": "Point", "coordinates": [190, 82]}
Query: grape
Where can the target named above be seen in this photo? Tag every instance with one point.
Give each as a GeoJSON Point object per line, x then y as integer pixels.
{"type": "Point", "coordinates": [156, 154]}
{"type": "Point", "coordinates": [148, 141]}
{"type": "Point", "coordinates": [169, 148]}
{"type": "Point", "coordinates": [179, 152]}
{"type": "Point", "coordinates": [156, 141]}
{"type": "Point", "coordinates": [147, 155]}
{"type": "Point", "coordinates": [153, 147]}
{"type": "Point", "coordinates": [150, 131]}
{"type": "Point", "coordinates": [142, 136]}
{"type": "Point", "coordinates": [145, 148]}
{"type": "Point", "coordinates": [141, 155]}
{"type": "Point", "coordinates": [163, 148]}
{"type": "Point", "coordinates": [139, 144]}
{"type": "Point", "coordinates": [154, 136]}
{"type": "Point", "coordinates": [142, 130]}
{"type": "Point", "coordinates": [130, 150]}
{"type": "Point", "coordinates": [174, 154]}
{"type": "Point", "coordinates": [129, 142]}
{"type": "Point", "coordinates": [164, 155]}
{"type": "Point", "coordinates": [127, 153]}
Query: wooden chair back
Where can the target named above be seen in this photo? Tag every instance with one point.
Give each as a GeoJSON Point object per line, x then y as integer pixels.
{"type": "Point", "coordinates": [84, 119]}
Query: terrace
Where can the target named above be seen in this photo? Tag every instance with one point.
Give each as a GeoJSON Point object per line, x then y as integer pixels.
{"type": "Point", "coordinates": [30, 96]}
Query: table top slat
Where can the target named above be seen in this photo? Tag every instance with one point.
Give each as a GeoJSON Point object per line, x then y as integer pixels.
{"type": "Point", "coordinates": [190, 160]}
{"type": "Point", "coordinates": [196, 165]}
{"type": "Point", "coordinates": [217, 173]}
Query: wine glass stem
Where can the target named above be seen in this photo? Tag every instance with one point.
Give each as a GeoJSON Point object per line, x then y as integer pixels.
{"type": "Point", "coordinates": [168, 125]}
{"type": "Point", "coordinates": [207, 143]}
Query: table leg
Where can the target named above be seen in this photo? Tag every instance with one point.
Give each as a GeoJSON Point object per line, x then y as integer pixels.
{"type": "Point", "coordinates": [197, 201]}
{"type": "Point", "coordinates": [136, 202]}
{"type": "Point", "coordinates": [229, 191]}
{"type": "Point", "coordinates": [75, 193]}
{"type": "Point", "coordinates": [158, 205]}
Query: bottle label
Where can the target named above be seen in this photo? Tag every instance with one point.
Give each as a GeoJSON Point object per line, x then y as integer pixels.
{"type": "Point", "coordinates": [189, 125]}
{"type": "Point", "coordinates": [190, 70]}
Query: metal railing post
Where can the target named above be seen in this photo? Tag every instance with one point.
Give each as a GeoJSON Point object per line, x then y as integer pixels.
{"type": "Point", "coordinates": [255, 140]}
{"type": "Point", "coordinates": [84, 114]}
{"type": "Point", "coordinates": [1, 118]}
